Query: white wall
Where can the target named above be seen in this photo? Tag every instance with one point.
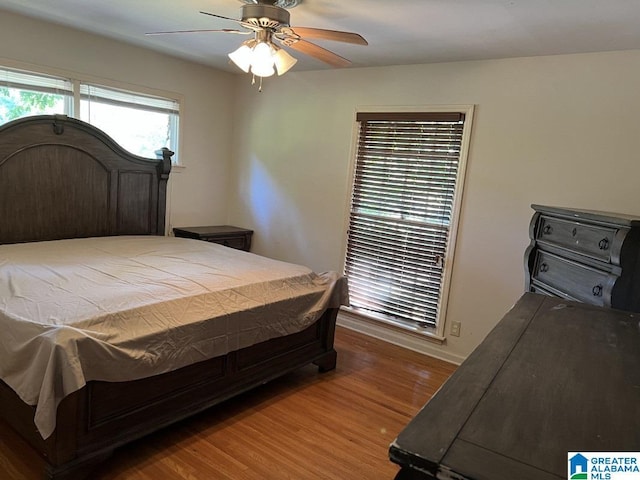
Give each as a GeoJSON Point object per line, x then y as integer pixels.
{"type": "Point", "coordinates": [199, 192]}
{"type": "Point", "coordinates": [558, 130]}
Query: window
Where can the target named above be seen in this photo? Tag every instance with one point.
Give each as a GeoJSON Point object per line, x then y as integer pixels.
{"type": "Point", "coordinates": [408, 173]}
{"type": "Point", "coordinates": [23, 94]}
{"type": "Point", "coordinates": [140, 123]}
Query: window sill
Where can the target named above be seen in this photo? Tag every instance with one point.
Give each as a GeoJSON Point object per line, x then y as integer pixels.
{"type": "Point", "coordinates": [422, 332]}
{"type": "Point", "coordinates": [417, 339]}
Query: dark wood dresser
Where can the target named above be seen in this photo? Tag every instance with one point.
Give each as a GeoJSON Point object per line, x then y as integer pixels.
{"type": "Point", "coordinates": [227, 235]}
{"type": "Point", "coordinates": [587, 256]}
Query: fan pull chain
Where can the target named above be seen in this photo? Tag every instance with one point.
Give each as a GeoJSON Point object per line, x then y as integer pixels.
{"type": "Point", "coordinates": [253, 82]}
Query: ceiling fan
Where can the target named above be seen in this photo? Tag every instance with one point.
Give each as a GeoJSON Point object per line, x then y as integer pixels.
{"type": "Point", "coordinates": [268, 20]}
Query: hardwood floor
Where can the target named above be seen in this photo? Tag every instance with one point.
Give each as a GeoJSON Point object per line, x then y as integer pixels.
{"type": "Point", "coordinates": [306, 425]}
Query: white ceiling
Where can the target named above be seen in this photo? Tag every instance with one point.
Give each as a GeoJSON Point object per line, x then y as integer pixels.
{"type": "Point", "coordinates": [398, 32]}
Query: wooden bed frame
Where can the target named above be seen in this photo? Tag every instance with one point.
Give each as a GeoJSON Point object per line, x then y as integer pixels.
{"type": "Point", "coordinates": [62, 178]}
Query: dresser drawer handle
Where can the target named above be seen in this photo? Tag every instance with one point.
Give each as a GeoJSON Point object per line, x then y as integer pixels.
{"type": "Point", "coordinates": [544, 268]}
{"type": "Point", "coordinates": [603, 244]}
{"type": "Point", "coordinates": [597, 291]}
{"type": "Point", "coordinates": [547, 229]}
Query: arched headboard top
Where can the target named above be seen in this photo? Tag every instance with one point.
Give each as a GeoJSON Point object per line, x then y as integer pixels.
{"type": "Point", "coordinates": [63, 178]}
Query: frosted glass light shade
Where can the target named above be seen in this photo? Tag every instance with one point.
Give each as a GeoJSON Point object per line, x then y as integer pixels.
{"type": "Point", "coordinates": [263, 60]}
{"type": "Point", "coordinates": [242, 57]}
{"type": "Point", "coordinates": [284, 61]}
{"type": "Point", "coordinates": [263, 70]}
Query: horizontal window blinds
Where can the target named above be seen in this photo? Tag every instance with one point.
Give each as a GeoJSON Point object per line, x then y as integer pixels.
{"type": "Point", "coordinates": [35, 83]}
{"type": "Point", "coordinates": [123, 98]}
{"type": "Point", "coordinates": [401, 210]}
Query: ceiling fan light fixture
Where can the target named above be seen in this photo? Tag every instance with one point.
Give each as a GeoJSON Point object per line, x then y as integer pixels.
{"type": "Point", "coordinates": [284, 62]}
{"type": "Point", "coordinates": [261, 58]}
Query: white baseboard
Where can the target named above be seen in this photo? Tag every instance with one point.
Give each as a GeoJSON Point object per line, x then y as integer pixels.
{"type": "Point", "coordinates": [396, 337]}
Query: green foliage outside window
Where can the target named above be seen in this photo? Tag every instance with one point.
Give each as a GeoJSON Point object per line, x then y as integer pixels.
{"type": "Point", "coordinates": [17, 103]}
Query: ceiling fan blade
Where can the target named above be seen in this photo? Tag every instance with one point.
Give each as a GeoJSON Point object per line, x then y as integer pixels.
{"type": "Point", "coordinates": [223, 30]}
{"type": "Point", "coordinates": [320, 53]}
{"type": "Point", "coordinates": [244, 24]}
{"type": "Point", "coordinates": [220, 16]}
{"type": "Point", "coordinates": [334, 35]}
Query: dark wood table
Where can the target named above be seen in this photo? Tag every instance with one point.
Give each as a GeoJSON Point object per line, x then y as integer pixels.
{"type": "Point", "coordinates": [552, 377]}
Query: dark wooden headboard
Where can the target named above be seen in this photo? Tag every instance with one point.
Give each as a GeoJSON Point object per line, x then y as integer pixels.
{"type": "Point", "coordinates": [63, 178]}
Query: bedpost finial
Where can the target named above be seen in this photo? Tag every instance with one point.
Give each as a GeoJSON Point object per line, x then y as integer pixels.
{"type": "Point", "coordinates": [164, 154]}
{"type": "Point", "coordinates": [58, 128]}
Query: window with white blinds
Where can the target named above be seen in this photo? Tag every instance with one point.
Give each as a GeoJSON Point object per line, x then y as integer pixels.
{"type": "Point", "coordinates": [139, 122]}
{"type": "Point", "coordinates": [24, 93]}
{"type": "Point", "coordinates": [402, 205]}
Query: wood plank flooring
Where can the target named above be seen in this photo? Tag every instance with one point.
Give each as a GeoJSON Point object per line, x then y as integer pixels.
{"type": "Point", "coordinates": [306, 425]}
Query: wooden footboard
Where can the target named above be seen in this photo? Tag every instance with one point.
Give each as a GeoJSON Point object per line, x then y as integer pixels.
{"type": "Point", "coordinates": [102, 416]}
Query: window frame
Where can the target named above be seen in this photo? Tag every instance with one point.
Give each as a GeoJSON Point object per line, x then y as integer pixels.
{"type": "Point", "coordinates": [436, 333]}
{"type": "Point", "coordinates": [77, 81]}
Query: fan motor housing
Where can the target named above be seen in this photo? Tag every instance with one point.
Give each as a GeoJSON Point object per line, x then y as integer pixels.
{"type": "Point", "coordinates": [266, 16]}
{"type": "Point", "coordinates": [277, 3]}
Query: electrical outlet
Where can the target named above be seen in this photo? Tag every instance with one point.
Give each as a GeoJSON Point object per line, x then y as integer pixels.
{"type": "Point", "coordinates": [455, 329]}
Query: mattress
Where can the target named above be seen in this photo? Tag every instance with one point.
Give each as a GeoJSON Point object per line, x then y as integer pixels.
{"type": "Point", "coordinates": [124, 308]}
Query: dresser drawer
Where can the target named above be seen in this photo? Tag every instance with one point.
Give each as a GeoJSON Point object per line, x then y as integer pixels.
{"type": "Point", "coordinates": [591, 240]}
{"type": "Point", "coordinates": [578, 281]}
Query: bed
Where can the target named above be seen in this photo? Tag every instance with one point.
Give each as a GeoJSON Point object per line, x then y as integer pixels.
{"type": "Point", "coordinates": [183, 326]}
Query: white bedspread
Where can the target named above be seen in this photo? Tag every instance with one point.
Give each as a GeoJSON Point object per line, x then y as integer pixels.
{"type": "Point", "coordinates": [123, 308]}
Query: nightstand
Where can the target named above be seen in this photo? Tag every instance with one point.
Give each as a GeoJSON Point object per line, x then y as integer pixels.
{"type": "Point", "coordinates": [227, 235]}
